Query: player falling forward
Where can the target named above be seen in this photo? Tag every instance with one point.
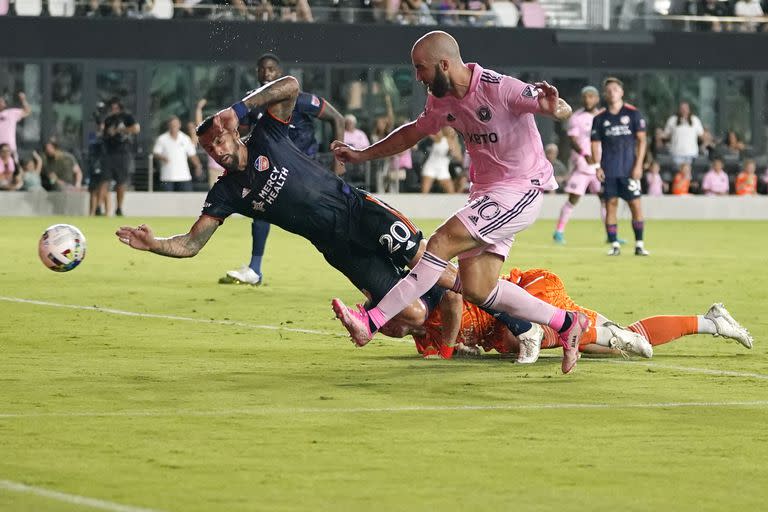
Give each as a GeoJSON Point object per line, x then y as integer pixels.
{"type": "Point", "coordinates": [302, 133]}
{"type": "Point", "coordinates": [583, 169]}
{"type": "Point", "coordinates": [494, 114]}
{"type": "Point", "coordinates": [460, 327]}
{"type": "Point", "coordinates": [268, 177]}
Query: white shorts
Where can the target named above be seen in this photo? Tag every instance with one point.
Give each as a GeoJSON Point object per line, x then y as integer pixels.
{"type": "Point", "coordinates": [436, 168]}
{"type": "Point", "coordinates": [495, 217]}
{"type": "Point", "coordinates": [579, 183]}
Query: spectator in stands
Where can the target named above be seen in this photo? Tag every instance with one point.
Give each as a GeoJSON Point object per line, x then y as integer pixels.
{"type": "Point", "coordinates": [682, 184]}
{"type": "Point", "coordinates": [7, 166]}
{"type": "Point", "coordinates": [714, 8]}
{"type": "Point", "coordinates": [9, 118]}
{"type": "Point", "coordinates": [294, 10]}
{"type": "Point", "coordinates": [748, 9]}
{"type": "Point", "coordinates": [117, 162]}
{"type": "Point", "coordinates": [764, 180]}
{"type": "Point", "coordinates": [30, 177]}
{"type": "Point", "coordinates": [732, 145]}
{"type": "Point", "coordinates": [716, 182]}
{"type": "Point", "coordinates": [656, 186]}
{"type": "Point", "coordinates": [532, 14]}
{"type": "Point", "coordinates": [353, 135]}
{"type": "Point", "coordinates": [707, 143]}
{"type": "Point", "coordinates": [480, 10]}
{"type": "Point", "coordinates": [415, 12]}
{"type": "Point", "coordinates": [551, 151]}
{"type": "Point", "coordinates": [437, 167]}
{"type": "Point", "coordinates": [683, 131]}
{"type": "Point", "coordinates": [60, 168]}
{"type": "Point", "coordinates": [174, 151]}
{"type": "Point", "coordinates": [746, 181]}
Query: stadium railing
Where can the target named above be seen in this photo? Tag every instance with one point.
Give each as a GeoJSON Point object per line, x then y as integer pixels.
{"type": "Point", "coordinates": [571, 14]}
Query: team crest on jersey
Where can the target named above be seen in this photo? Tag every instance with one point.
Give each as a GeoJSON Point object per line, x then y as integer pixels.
{"type": "Point", "coordinates": [451, 118]}
{"type": "Point", "coordinates": [484, 114]}
{"type": "Point", "coordinates": [261, 163]}
{"type": "Point", "coordinates": [246, 191]}
{"type": "Point", "coordinates": [529, 92]}
{"type": "Point", "coordinates": [624, 119]}
{"type": "Point", "coordinates": [606, 123]}
{"type": "Point", "coordinates": [258, 206]}
{"type": "Point", "coordinates": [315, 101]}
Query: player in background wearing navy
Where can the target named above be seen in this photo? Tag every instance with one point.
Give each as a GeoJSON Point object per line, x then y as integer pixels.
{"type": "Point", "coordinates": [618, 143]}
{"type": "Point", "coordinates": [302, 133]}
{"type": "Point", "coordinates": [267, 177]}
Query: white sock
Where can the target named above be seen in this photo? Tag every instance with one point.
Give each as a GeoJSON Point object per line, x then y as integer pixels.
{"type": "Point", "coordinates": [706, 326]}
{"type": "Point", "coordinates": [604, 336]}
{"type": "Point", "coordinates": [639, 243]}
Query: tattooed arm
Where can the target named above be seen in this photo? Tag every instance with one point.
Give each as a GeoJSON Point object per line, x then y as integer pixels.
{"type": "Point", "coordinates": [178, 246]}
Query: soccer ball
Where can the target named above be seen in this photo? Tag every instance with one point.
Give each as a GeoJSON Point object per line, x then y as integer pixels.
{"type": "Point", "coordinates": [62, 247]}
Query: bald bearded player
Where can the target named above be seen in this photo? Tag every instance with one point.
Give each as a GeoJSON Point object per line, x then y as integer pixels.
{"type": "Point", "coordinates": [509, 172]}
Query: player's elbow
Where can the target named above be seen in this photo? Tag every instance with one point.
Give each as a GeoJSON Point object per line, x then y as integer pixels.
{"type": "Point", "coordinates": [291, 85]}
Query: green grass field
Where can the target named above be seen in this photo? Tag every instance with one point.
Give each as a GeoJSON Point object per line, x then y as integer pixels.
{"type": "Point", "coordinates": [159, 413]}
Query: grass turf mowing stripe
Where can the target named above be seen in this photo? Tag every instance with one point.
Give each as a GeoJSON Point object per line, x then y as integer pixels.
{"type": "Point", "coordinates": [378, 410]}
{"type": "Point", "coordinates": [98, 309]}
{"type": "Point", "coordinates": [73, 499]}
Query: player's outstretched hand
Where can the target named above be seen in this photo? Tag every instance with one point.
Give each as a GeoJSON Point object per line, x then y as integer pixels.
{"type": "Point", "coordinates": [548, 97]}
{"type": "Point", "coordinates": [140, 238]}
{"type": "Point", "coordinates": [345, 153]}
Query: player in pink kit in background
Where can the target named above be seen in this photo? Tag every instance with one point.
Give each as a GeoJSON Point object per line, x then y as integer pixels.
{"type": "Point", "coordinates": [583, 171]}
{"type": "Point", "coordinates": [509, 171]}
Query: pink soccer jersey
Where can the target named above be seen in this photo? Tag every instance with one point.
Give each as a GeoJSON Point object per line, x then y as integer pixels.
{"type": "Point", "coordinates": [580, 127]}
{"type": "Point", "coordinates": [8, 119]}
{"type": "Point", "coordinates": [495, 118]}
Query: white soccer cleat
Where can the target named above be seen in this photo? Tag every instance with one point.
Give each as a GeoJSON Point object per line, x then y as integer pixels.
{"type": "Point", "coordinates": [530, 345]}
{"type": "Point", "coordinates": [245, 275]}
{"type": "Point", "coordinates": [625, 340]}
{"type": "Point", "coordinates": [726, 326]}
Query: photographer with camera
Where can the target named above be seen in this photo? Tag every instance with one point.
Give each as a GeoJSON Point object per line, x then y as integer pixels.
{"type": "Point", "coordinates": [118, 133]}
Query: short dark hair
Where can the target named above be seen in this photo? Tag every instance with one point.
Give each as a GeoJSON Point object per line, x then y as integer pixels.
{"type": "Point", "coordinates": [613, 80]}
{"type": "Point", "coordinates": [268, 56]}
{"type": "Point", "coordinates": [204, 126]}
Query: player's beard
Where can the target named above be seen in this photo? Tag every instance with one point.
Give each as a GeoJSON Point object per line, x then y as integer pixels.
{"type": "Point", "coordinates": [233, 164]}
{"type": "Point", "coordinates": [440, 84]}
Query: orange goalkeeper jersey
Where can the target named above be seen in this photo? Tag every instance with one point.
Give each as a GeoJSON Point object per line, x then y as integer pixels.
{"type": "Point", "coordinates": [480, 328]}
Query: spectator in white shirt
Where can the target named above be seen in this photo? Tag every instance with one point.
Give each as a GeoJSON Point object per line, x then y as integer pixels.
{"type": "Point", "coordinates": [353, 135]}
{"type": "Point", "coordinates": [174, 150]}
{"type": "Point", "coordinates": [748, 9]}
{"type": "Point", "coordinates": [683, 131]}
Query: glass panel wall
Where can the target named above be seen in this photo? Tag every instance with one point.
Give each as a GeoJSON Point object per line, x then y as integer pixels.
{"type": "Point", "coordinates": [67, 104]}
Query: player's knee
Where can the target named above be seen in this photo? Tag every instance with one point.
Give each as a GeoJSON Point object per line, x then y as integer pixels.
{"type": "Point", "coordinates": [413, 315]}
{"type": "Point", "coordinates": [476, 294]}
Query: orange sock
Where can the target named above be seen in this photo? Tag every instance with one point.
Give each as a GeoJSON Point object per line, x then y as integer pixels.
{"type": "Point", "coordinates": [663, 329]}
{"type": "Point", "coordinates": [552, 338]}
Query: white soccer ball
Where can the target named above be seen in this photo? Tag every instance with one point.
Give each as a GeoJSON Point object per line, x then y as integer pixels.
{"type": "Point", "coordinates": [62, 247]}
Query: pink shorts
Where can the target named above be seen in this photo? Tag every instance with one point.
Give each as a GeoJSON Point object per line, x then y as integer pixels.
{"type": "Point", "coordinates": [493, 217]}
{"type": "Point", "coordinates": [579, 182]}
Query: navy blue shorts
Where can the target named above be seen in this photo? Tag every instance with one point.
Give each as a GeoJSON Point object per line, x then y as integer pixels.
{"type": "Point", "coordinates": [625, 188]}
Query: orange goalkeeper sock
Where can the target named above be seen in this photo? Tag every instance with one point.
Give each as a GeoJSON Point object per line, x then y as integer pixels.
{"type": "Point", "coordinates": [663, 329]}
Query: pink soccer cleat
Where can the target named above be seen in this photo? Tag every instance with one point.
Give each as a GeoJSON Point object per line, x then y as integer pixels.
{"type": "Point", "coordinates": [356, 322]}
{"type": "Point", "coordinates": [570, 341]}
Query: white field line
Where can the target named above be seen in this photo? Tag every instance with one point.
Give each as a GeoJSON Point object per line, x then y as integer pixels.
{"type": "Point", "coordinates": [706, 371]}
{"type": "Point", "coordinates": [256, 411]}
{"type": "Point", "coordinates": [73, 499]}
{"type": "Point", "coordinates": [166, 317]}
{"type": "Point", "coordinates": [727, 373]}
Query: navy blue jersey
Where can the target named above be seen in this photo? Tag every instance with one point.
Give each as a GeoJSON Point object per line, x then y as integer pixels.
{"type": "Point", "coordinates": [617, 135]}
{"type": "Point", "coordinates": [302, 132]}
{"type": "Point", "coordinates": [284, 187]}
